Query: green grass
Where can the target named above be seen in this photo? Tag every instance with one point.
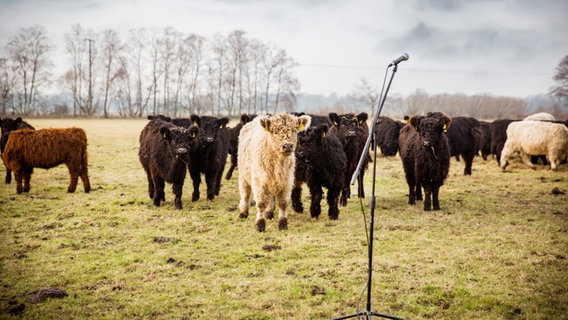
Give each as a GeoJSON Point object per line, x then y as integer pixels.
{"type": "Point", "coordinates": [497, 250]}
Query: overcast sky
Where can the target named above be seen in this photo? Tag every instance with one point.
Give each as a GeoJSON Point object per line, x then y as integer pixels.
{"type": "Point", "coordinates": [508, 47]}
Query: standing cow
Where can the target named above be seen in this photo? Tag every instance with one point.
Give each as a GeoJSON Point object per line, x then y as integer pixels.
{"type": "Point", "coordinates": [266, 164]}
{"type": "Point", "coordinates": [387, 131]}
{"type": "Point", "coordinates": [8, 125]}
{"type": "Point", "coordinates": [320, 162]}
{"type": "Point", "coordinates": [165, 154]}
{"type": "Point", "coordinates": [210, 156]}
{"type": "Point", "coordinates": [465, 137]}
{"type": "Point", "coordinates": [425, 155]}
{"type": "Point", "coordinates": [27, 149]}
{"type": "Point", "coordinates": [352, 131]}
{"type": "Point", "coordinates": [234, 142]}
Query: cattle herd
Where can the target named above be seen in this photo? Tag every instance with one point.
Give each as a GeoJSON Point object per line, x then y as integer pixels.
{"type": "Point", "coordinates": [277, 154]}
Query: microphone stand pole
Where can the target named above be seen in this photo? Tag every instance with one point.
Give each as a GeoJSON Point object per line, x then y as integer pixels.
{"type": "Point", "coordinates": [372, 137]}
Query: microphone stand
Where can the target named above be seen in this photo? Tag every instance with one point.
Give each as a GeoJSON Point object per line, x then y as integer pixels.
{"type": "Point", "coordinates": [372, 137]}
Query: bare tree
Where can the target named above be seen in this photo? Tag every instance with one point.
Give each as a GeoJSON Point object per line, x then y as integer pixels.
{"type": "Point", "coordinates": [110, 50]}
{"type": "Point", "coordinates": [29, 50]}
{"type": "Point", "coordinates": [366, 94]}
{"type": "Point", "coordinates": [256, 53]}
{"type": "Point", "coordinates": [7, 82]}
{"type": "Point", "coordinates": [560, 90]}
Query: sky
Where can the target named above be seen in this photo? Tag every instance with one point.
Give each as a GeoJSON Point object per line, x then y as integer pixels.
{"type": "Point", "coordinates": [496, 47]}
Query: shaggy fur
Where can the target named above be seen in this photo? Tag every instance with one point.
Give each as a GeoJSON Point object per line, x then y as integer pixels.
{"type": "Point", "coordinates": [425, 155]}
{"type": "Point", "coordinates": [210, 156]}
{"type": "Point", "coordinates": [387, 135]}
{"type": "Point", "coordinates": [536, 138]}
{"type": "Point", "coordinates": [27, 149]}
{"type": "Point", "coordinates": [498, 132]}
{"type": "Point", "coordinates": [266, 164]}
{"type": "Point", "coordinates": [540, 116]}
{"type": "Point", "coordinates": [164, 154]}
{"type": "Point", "coordinates": [465, 136]}
{"type": "Point", "coordinates": [234, 142]}
{"type": "Point", "coordinates": [8, 125]}
{"type": "Point", "coordinates": [352, 131]}
{"type": "Point", "coordinates": [320, 162]}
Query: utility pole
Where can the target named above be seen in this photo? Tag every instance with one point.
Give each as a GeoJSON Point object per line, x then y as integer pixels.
{"type": "Point", "coordinates": [90, 97]}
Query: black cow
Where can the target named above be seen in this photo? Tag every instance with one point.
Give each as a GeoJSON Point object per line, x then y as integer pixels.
{"type": "Point", "coordinates": [425, 154]}
{"type": "Point", "coordinates": [465, 136]}
{"type": "Point", "coordinates": [210, 157]}
{"type": "Point", "coordinates": [485, 143]}
{"type": "Point", "coordinates": [165, 154]}
{"type": "Point", "coordinates": [8, 125]}
{"type": "Point", "coordinates": [320, 162]}
{"type": "Point", "coordinates": [317, 120]}
{"type": "Point", "coordinates": [498, 132]}
{"type": "Point", "coordinates": [387, 131]}
{"type": "Point", "coordinates": [352, 131]}
{"type": "Point", "coordinates": [234, 142]}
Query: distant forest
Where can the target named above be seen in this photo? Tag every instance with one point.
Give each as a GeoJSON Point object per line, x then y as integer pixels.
{"type": "Point", "coordinates": [177, 74]}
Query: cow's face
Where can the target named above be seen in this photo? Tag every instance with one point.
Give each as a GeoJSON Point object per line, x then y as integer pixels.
{"type": "Point", "coordinates": [347, 124]}
{"type": "Point", "coordinates": [430, 129]}
{"type": "Point", "coordinates": [283, 129]}
{"type": "Point", "coordinates": [181, 140]}
{"type": "Point", "coordinates": [310, 142]}
{"type": "Point", "coordinates": [209, 127]}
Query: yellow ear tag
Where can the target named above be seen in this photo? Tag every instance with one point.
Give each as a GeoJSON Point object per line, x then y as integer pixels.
{"type": "Point", "coordinates": [164, 135]}
{"type": "Point", "coordinates": [335, 123]}
{"type": "Point", "coordinates": [360, 121]}
{"type": "Point", "coordinates": [444, 127]}
{"type": "Point", "coordinates": [221, 126]}
{"type": "Point", "coordinates": [323, 134]}
{"type": "Point", "coordinates": [195, 123]}
{"type": "Point", "coordinates": [301, 127]}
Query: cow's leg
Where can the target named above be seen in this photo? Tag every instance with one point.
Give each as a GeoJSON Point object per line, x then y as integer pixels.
{"type": "Point", "coordinates": [297, 199]}
{"type": "Point", "coordinates": [262, 203]}
{"type": "Point", "coordinates": [159, 191]}
{"type": "Point", "coordinates": [361, 189]}
{"type": "Point", "coordinates": [19, 174]}
{"type": "Point", "coordinates": [177, 188]}
{"type": "Point", "coordinates": [196, 178]}
{"type": "Point", "coordinates": [435, 201]}
{"type": "Point", "coordinates": [468, 162]}
{"type": "Point", "coordinates": [244, 192]}
{"type": "Point", "coordinates": [219, 178]}
{"type": "Point", "coordinates": [8, 176]}
{"type": "Point", "coordinates": [231, 167]}
{"type": "Point", "coordinates": [527, 160]}
{"type": "Point", "coordinates": [27, 178]}
{"type": "Point", "coordinates": [418, 191]}
{"type": "Point", "coordinates": [316, 193]}
{"type": "Point", "coordinates": [150, 185]}
{"type": "Point", "coordinates": [345, 194]}
{"type": "Point", "coordinates": [210, 179]}
{"type": "Point", "coordinates": [73, 177]}
{"type": "Point", "coordinates": [411, 188]}
{"type": "Point", "coordinates": [427, 198]}
{"type": "Point", "coordinates": [332, 201]}
{"type": "Point", "coordinates": [281, 201]}
{"type": "Point", "coordinates": [84, 174]}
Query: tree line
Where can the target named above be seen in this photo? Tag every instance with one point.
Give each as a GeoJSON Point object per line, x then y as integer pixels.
{"type": "Point", "coordinates": [175, 73]}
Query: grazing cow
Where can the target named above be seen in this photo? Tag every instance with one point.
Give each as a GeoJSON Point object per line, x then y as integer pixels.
{"type": "Point", "coordinates": [425, 154]}
{"type": "Point", "coordinates": [320, 162]}
{"type": "Point", "coordinates": [266, 164]}
{"type": "Point", "coordinates": [485, 143]}
{"type": "Point", "coordinates": [465, 136]}
{"type": "Point", "coordinates": [27, 149]}
{"type": "Point", "coordinates": [498, 131]}
{"type": "Point", "coordinates": [536, 138]}
{"type": "Point", "coordinates": [165, 154]}
{"type": "Point", "coordinates": [387, 131]}
{"type": "Point", "coordinates": [8, 125]}
{"type": "Point", "coordinates": [352, 131]}
{"type": "Point", "coordinates": [234, 142]}
{"type": "Point", "coordinates": [210, 156]}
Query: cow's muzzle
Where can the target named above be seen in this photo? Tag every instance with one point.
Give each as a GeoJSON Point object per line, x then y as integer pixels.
{"type": "Point", "coordinates": [287, 148]}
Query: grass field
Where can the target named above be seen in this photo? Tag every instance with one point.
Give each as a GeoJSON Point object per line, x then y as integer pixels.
{"type": "Point", "coordinates": [498, 249]}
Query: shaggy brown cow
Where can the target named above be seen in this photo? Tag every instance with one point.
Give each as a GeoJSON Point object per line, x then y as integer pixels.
{"type": "Point", "coordinates": [47, 148]}
{"type": "Point", "coordinates": [425, 155]}
{"type": "Point", "coordinates": [8, 125]}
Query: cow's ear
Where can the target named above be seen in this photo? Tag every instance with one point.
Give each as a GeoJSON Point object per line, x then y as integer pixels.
{"type": "Point", "coordinates": [414, 121]}
{"type": "Point", "coordinates": [304, 122]}
{"type": "Point", "coordinates": [334, 117]}
{"type": "Point", "coordinates": [18, 121]}
{"type": "Point", "coordinates": [165, 132]}
{"type": "Point", "coordinates": [446, 121]}
{"type": "Point", "coordinates": [193, 131]}
{"type": "Point", "coordinates": [265, 123]}
{"type": "Point", "coordinates": [223, 122]}
{"type": "Point", "coordinates": [362, 117]}
{"type": "Point", "coordinates": [323, 129]}
{"type": "Point", "coordinates": [195, 119]}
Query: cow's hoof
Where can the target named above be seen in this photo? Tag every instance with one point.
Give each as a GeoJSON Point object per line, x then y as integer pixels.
{"type": "Point", "coordinates": [283, 224]}
{"type": "Point", "coordinates": [261, 225]}
{"type": "Point", "coordinates": [243, 215]}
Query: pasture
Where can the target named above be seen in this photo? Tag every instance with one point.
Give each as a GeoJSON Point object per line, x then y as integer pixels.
{"type": "Point", "coordinates": [497, 249]}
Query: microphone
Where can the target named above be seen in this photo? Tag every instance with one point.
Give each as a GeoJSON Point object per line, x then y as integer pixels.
{"type": "Point", "coordinates": [398, 60]}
